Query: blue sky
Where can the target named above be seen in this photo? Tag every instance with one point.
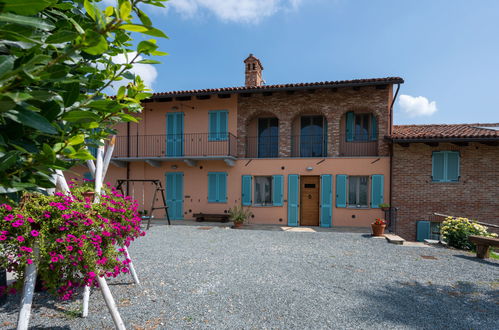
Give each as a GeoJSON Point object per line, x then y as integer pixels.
{"type": "Point", "coordinates": [447, 51]}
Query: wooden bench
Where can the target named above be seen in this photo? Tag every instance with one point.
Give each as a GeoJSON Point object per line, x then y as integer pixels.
{"type": "Point", "coordinates": [483, 245]}
{"type": "Point", "coordinates": [211, 217]}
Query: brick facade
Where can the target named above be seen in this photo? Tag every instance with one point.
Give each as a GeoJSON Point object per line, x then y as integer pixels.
{"type": "Point", "coordinates": [332, 103]}
{"type": "Point", "coordinates": [417, 197]}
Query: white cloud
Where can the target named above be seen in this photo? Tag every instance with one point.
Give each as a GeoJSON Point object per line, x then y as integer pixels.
{"type": "Point", "coordinates": [245, 11]}
{"type": "Point", "coordinates": [417, 106]}
{"type": "Point", "coordinates": [147, 72]}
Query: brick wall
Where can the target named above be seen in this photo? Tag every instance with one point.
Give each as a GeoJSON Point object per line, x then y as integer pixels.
{"type": "Point", "coordinates": [475, 196]}
{"type": "Point", "coordinates": [332, 103]}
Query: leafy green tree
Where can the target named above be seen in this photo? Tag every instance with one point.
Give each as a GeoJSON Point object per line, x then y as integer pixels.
{"type": "Point", "coordinates": [56, 63]}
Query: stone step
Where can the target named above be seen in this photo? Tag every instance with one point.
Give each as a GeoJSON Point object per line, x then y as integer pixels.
{"type": "Point", "coordinates": [394, 239]}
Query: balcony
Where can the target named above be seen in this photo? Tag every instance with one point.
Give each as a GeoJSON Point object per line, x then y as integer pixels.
{"type": "Point", "coordinates": [189, 147]}
{"type": "Point", "coordinates": [301, 146]}
{"type": "Point", "coordinates": [360, 146]}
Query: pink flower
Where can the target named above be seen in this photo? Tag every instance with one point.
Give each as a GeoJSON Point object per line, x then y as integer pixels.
{"type": "Point", "coordinates": [47, 214]}
{"type": "Point", "coordinates": [59, 240]}
{"type": "Point", "coordinates": [91, 274]}
{"type": "Point", "coordinates": [34, 233]}
{"type": "Point", "coordinates": [7, 207]}
{"type": "Point", "coordinates": [29, 261]}
{"type": "Point", "coordinates": [27, 249]}
{"type": "Point", "coordinates": [20, 238]}
{"type": "Point", "coordinates": [3, 237]}
{"type": "Point", "coordinates": [54, 259]}
{"type": "Point", "coordinates": [9, 217]}
{"type": "Point", "coordinates": [69, 248]}
{"type": "Point", "coordinates": [30, 220]}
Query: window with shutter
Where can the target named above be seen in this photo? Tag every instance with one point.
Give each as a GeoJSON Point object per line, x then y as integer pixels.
{"type": "Point", "coordinates": [218, 125]}
{"type": "Point", "coordinates": [217, 187]}
{"type": "Point", "coordinates": [445, 166]}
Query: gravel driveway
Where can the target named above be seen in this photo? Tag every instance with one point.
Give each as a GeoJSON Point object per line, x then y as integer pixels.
{"type": "Point", "coordinates": [248, 279]}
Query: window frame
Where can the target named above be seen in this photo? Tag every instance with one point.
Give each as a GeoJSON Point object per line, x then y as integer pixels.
{"type": "Point", "coordinates": [445, 177]}
{"type": "Point", "coordinates": [255, 202]}
{"type": "Point", "coordinates": [368, 194]}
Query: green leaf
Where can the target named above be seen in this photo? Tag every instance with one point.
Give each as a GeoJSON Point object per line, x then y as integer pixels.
{"type": "Point", "coordinates": [6, 64]}
{"type": "Point", "coordinates": [8, 160]}
{"type": "Point", "coordinates": [62, 36]}
{"type": "Point", "coordinates": [49, 153]}
{"type": "Point", "coordinates": [82, 154]}
{"type": "Point", "coordinates": [97, 44]}
{"type": "Point", "coordinates": [156, 33]}
{"type": "Point", "coordinates": [146, 61]}
{"type": "Point", "coordinates": [109, 11]}
{"type": "Point", "coordinates": [26, 21]}
{"type": "Point", "coordinates": [80, 116]}
{"type": "Point", "coordinates": [34, 120]}
{"type": "Point", "coordinates": [128, 118]}
{"type": "Point", "coordinates": [77, 139]}
{"type": "Point", "coordinates": [77, 26]}
{"type": "Point", "coordinates": [19, 96]}
{"type": "Point", "coordinates": [146, 46]}
{"type": "Point", "coordinates": [134, 27]}
{"type": "Point", "coordinates": [158, 53]}
{"type": "Point", "coordinates": [57, 71]}
{"type": "Point", "coordinates": [24, 7]}
{"type": "Point", "coordinates": [72, 91]}
{"type": "Point", "coordinates": [144, 18]}
{"type": "Point", "coordinates": [125, 10]}
{"type": "Point", "coordinates": [89, 7]}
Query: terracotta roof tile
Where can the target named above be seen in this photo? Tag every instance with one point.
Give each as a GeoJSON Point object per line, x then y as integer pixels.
{"type": "Point", "coordinates": [324, 84]}
{"type": "Point", "coordinates": [444, 131]}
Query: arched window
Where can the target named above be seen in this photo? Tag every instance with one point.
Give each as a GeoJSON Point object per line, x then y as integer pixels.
{"type": "Point", "coordinates": [313, 136]}
{"type": "Point", "coordinates": [361, 127]}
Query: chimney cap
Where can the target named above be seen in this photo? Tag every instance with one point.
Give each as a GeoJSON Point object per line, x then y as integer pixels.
{"type": "Point", "coordinates": [252, 58]}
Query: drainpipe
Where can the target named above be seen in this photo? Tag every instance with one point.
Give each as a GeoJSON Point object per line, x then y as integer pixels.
{"type": "Point", "coordinates": [391, 154]}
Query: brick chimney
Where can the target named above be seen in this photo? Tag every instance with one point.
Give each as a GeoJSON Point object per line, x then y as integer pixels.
{"type": "Point", "coordinates": [253, 73]}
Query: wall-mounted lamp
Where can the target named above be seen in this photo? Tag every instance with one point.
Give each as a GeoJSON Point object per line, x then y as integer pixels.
{"type": "Point", "coordinates": [310, 168]}
{"type": "Point", "coordinates": [174, 167]}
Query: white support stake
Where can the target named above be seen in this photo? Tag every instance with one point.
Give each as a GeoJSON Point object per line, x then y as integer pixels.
{"type": "Point", "coordinates": [91, 167]}
{"type": "Point", "coordinates": [108, 298]}
{"type": "Point", "coordinates": [132, 268]}
{"type": "Point", "coordinates": [28, 290]}
{"type": "Point", "coordinates": [86, 298]}
{"type": "Point", "coordinates": [61, 182]}
{"type": "Point", "coordinates": [108, 155]}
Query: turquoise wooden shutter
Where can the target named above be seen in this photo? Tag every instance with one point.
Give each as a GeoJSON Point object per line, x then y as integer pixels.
{"type": "Point", "coordinates": [374, 128]}
{"type": "Point", "coordinates": [213, 126]}
{"type": "Point", "coordinates": [179, 195]}
{"type": "Point", "coordinates": [326, 200]}
{"type": "Point", "coordinates": [422, 230]}
{"type": "Point", "coordinates": [223, 125]}
{"type": "Point", "coordinates": [438, 164]}
{"type": "Point", "coordinates": [222, 187]}
{"type": "Point", "coordinates": [293, 198]}
{"type": "Point", "coordinates": [452, 166]}
{"type": "Point", "coordinates": [212, 187]}
{"type": "Point", "coordinates": [88, 176]}
{"type": "Point", "coordinates": [175, 134]}
{"type": "Point", "coordinates": [246, 190]}
{"type": "Point", "coordinates": [377, 185]}
{"type": "Point", "coordinates": [278, 186]}
{"type": "Point", "coordinates": [174, 195]}
{"type": "Point", "coordinates": [341, 190]}
{"type": "Point", "coordinates": [350, 125]}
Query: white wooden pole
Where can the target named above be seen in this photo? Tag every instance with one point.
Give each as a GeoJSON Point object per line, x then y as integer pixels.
{"type": "Point", "coordinates": [108, 155]}
{"type": "Point", "coordinates": [108, 298]}
{"type": "Point", "coordinates": [91, 167]}
{"type": "Point", "coordinates": [132, 268]}
{"type": "Point", "coordinates": [86, 298]}
{"type": "Point", "coordinates": [28, 290]}
{"type": "Point", "coordinates": [62, 184]}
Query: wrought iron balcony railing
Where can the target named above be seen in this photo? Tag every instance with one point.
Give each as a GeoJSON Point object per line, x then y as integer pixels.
{"type": "Point", "coordinates": [301, 146]}
{"type": "Point", "coordinates": [176, 145]}
{"type": "Point", "coordinates": [360, 145]}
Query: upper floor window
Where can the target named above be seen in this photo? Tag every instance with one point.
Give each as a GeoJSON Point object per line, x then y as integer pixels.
{"type": "Point", "coordinates": [268, 137]}
{"type": "Point", "coordinates": [361, 127]}
{"type": "Point", "coordinates": [218, 125]}
{"type": "Point", "coordinates": [313, 136]}
{"type": "Point", "coordinates": [445, 166]}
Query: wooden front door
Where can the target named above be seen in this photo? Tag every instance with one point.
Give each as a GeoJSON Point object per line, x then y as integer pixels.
{"type": "Point", "coordinates": [309, 200]}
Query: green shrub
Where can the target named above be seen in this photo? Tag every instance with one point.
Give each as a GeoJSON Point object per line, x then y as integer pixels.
{"type": "Point", "coordinates": [455, 232]}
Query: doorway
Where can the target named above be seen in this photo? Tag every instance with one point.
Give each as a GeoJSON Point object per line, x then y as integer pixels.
{"type": "Point", "coordinates": [309, 200]}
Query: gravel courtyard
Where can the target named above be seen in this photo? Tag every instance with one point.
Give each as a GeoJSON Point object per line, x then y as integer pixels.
{"type": "Point", "coordinates": [215, 277]}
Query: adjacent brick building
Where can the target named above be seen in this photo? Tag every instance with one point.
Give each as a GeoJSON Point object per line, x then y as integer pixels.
{"type": "Point", "coordinates": [467, 185]}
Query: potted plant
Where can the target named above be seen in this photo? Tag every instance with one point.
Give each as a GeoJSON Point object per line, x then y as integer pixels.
{"type": "Point", "coordinates": [378, 227]}
{"type": "Point", "coordinates": [239, 215]}
{"type": "Point", "coordinates": [385, 206]}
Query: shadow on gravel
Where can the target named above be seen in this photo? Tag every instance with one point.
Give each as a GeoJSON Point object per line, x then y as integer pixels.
{"type": "Point", "coordinates": [475, 259]}
{"type": "Point", "coordinates": [463, 305]}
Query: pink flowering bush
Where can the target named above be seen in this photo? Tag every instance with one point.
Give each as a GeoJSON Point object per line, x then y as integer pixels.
{"type": "Point", "coordinates": [77, 240]}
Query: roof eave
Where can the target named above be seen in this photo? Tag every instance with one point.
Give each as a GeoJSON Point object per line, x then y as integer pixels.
{"type": "Point", "coordinates": [442, 139]}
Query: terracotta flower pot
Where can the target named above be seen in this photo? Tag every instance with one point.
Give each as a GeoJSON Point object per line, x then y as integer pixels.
{"type": "Point", "coordinates": [378, 230]}
{"type": "Point", "coordinates": [89, 195]}
{"type": "Point", "coordinates": [237, 225]}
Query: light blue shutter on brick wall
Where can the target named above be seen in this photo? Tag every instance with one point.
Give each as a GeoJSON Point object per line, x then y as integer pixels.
{"type": "Point", "coordinates": [377, 184]}
{"type": "Point", "coordinates": [341, 190]}
{"type": "Point", "coordinates": [278, 183]}
{"type": "Point", "coordinates": [422, 230]}
{"type": "Point", "coordinates": [350, 126]}
{"type": "Point", "coordinates": [452, 166]}
{"type": "Point", "coordinates": [326, 199]}
{"type": "Point", "coordinates": [438, 166]}
{"type": "Point", "coordinates": [374, 128]}
{"type": "Point", "coordinates": [293, 188]}
{"type": "Point", "coordinates": [246, 190]}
